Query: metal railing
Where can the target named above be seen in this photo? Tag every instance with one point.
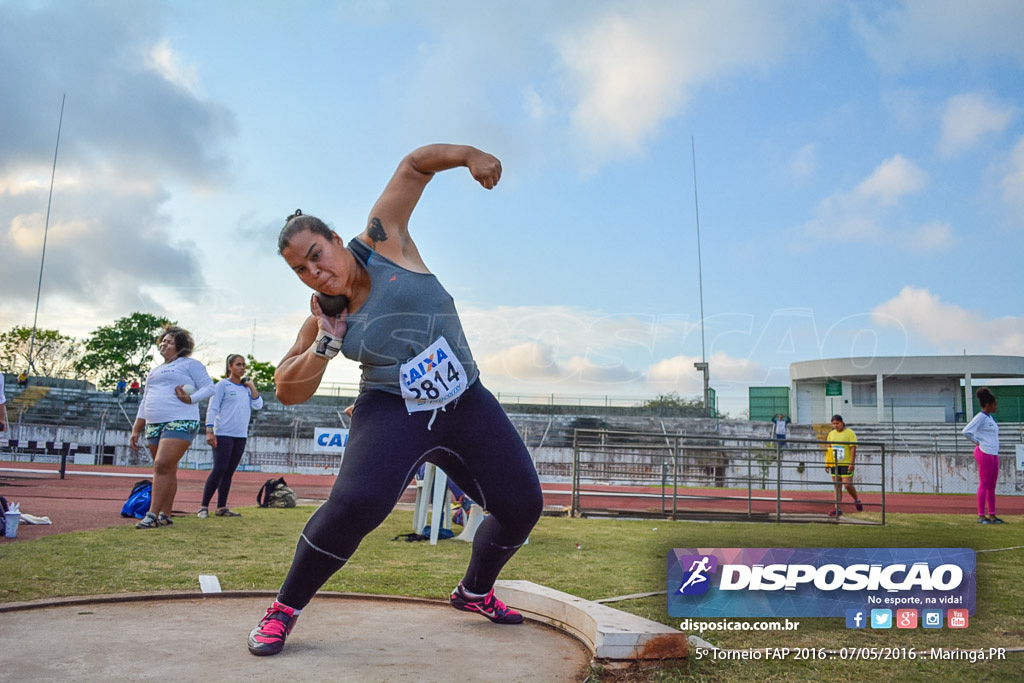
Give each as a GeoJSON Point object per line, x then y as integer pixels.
{"type": "Point", "coordinates": [711, 477]}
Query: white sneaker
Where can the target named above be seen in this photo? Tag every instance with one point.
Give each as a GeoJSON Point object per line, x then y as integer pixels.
{"type": "Point", "coordinates": [203, 513]}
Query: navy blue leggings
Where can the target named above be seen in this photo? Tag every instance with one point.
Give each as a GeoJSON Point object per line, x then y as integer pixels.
{"type": "Point", "coordinates": [226, 457]}
{"type": "Point", "coordinates": [472, 440]}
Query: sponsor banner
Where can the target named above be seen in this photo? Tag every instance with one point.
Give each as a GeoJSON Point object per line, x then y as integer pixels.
{"type": "Point", "coordinates": [329, 440]}
{"type": "Point", "coordinates": [817, 582]}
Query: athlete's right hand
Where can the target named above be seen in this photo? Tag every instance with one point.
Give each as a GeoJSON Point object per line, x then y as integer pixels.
{"type": "Point", "coordinates": [330, 331]}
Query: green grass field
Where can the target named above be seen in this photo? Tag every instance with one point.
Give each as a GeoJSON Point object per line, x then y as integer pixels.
{"type": "Point", "coordinates": [615, 558]}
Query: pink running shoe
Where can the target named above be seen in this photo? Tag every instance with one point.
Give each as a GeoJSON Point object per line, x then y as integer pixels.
{"type": "Point", "coordinates": [489, 606]}
{"type": "Point", "coordinates": [268, 637]}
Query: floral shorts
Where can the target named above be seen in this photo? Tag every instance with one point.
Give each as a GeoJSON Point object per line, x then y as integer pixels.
{"type": "Point", "coordinates": [175, 429]}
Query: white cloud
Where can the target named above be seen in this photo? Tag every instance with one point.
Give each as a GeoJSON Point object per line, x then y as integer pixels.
{"type": "Point", "coordinates": [19, 182]}
{"type": "Point", "coordinates": [906, 108]}
{"type": "Point", "coordinates": [929, 32]}
{"type": "Point", "coordinates": [1013, 181]}
{"type": "Point", "coordinates": [628, 72]}
{"type": "Point", "coordinates": [535, 363]}
{"type": "Point", "coordinates": [568, 331]}
{"type": "Point", "coordinates": [869, 210]}
{"type": "Point", "coordinates": [535, 107]}
{"type": "Point", "coordinates": [891, 180]}
{"type": "Point", "coordinates": [627, 84]}
{"type": "Point", "coordinates": [558, 349]}
{"type": "Point", "coordinates": [969, 117]}
{"type": "Point", "coordinates": [599, 370]}
{"type": "Point", "coordinates": [804, 162]}
{"type": "Point", "coordinates": [613, 72]}
{"type": "Point", "coordinates": [163, 60]}
{"type": "Point", "coordinates": [544, 346]}
{"type": "Point", "coordinates": [131, 129]}
{"type": "Point", "coordinates": [949, 327]}
{"type": "Point", "coordinates": [678, 374]}
{"type": "Point", "coordinates": [528, 361]}
{"type": "Point", "coordinates": [935, 236]}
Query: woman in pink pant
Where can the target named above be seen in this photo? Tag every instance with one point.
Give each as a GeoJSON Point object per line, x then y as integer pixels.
{"type": "Point", "coordinates": [984, 432]}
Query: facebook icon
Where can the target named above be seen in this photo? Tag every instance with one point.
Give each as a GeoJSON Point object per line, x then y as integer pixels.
{"type": "Point", "coordinates": [856, 618]}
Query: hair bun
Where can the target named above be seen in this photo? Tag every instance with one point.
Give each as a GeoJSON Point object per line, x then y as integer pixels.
{"type": "Point", "coordinates": [298, 212]}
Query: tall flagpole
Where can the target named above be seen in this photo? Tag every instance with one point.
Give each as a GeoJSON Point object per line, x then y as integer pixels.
{"type": "Point", "coordinates": [703, 364]}
{"type": "Point", "coordinates": [46, 230]}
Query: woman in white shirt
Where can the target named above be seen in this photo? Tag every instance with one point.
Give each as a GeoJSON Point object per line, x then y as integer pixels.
{"type": "Point", "coordinates": [984, 432]}
{"type": "Point", "coordinates": [227, 425]}
{"type": "Point", "coordinates": [169, 415]}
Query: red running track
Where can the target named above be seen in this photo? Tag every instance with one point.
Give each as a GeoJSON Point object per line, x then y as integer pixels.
{"type": "Point", "coordinates": [83, 500]}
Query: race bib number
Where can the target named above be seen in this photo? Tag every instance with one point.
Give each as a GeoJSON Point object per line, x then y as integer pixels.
{"type": "Point", "coordinates": [839, 453]}
{"type": "Point", "coordinates": [432, 379]}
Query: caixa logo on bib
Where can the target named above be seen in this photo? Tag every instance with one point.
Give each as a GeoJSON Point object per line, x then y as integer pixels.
{"type": "Point", "coordinates": [816, 582]}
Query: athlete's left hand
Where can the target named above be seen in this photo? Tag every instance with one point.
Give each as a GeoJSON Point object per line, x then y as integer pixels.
{"type": "Point", "coordinates": [485, 169]}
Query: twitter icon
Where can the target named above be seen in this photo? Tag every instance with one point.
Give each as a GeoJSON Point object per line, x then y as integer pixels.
{"type": "Point", "coordinates": [881, 618]}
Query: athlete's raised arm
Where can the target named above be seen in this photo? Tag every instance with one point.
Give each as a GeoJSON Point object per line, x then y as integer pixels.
{"type": "Point", "coordinates": [387, 228]}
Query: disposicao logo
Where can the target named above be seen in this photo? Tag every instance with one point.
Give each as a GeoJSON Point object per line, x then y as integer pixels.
{"type": "Point", "coordinates": [696, 580]}
{"type": "Point", "coordinates": [817, 582]}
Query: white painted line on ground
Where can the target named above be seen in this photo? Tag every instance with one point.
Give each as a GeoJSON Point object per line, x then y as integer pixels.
{"type": "Point", "coordinates": [134, 475]}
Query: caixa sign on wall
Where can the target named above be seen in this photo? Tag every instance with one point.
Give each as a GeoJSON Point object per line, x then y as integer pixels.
{"type": "Point", "coordinates": [329, 440]}
{"type": "Point", "coordinates": [816, 582]}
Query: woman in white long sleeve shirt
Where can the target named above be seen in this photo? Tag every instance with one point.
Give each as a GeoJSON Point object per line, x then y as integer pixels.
{"type": "Point", "coordinates": [169, 416]}
{"type": "Point", "coordinates": [984, 432]}
{"type": "Point", "coordinates": [227, 425]}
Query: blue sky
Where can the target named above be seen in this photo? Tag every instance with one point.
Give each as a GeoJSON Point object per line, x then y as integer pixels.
{"type": "Point", "coordinates": [860, 175]}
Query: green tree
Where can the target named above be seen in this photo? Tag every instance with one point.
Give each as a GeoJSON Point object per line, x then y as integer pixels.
{"type": "Point", "coordinates": [262, 373]}
{"type": "Point", "coordinates": [123, 349]}
{"type": "Point", "coordinates": [674, 405]}
{"type": "Point", "coordinates": [53, 354]}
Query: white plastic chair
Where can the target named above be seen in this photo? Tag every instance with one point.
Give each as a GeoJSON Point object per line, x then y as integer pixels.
{"type": "Point", "coordinates": [432, 495]}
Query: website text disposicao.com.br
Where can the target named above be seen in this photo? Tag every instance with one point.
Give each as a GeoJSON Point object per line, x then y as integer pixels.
{"type": "Point", "coordinates": [706, 625]}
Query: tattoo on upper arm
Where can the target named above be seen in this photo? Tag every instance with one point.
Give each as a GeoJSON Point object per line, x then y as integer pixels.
{"type": "Point", "coordinates": [376, 231]}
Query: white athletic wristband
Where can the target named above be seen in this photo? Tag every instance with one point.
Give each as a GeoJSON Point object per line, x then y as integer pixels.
{"type": "Point", "coordinates": [327, 345]}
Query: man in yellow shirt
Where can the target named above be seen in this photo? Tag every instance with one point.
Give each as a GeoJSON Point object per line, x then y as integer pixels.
{"type": "Point", "coordinates": [839, 459]}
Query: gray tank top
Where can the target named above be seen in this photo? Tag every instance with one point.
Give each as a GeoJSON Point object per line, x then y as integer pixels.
{"type": "Point", "coordinates": [404, 313]}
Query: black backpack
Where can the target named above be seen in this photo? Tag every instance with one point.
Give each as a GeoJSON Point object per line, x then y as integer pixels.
{"type": "Point", "coordinates": [276, 494]}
